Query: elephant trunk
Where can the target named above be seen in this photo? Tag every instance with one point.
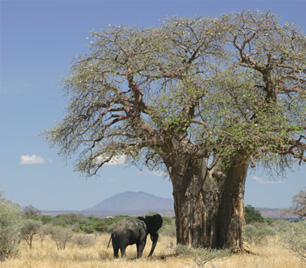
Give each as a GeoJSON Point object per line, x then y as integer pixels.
{"type": "Point", "coordinates": [154, 238]}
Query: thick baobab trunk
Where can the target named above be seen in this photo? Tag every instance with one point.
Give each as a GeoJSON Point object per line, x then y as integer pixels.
{"type": "Point", "coordinates": [209, 204]}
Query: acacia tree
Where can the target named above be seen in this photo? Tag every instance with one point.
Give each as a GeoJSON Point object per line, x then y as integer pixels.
{"type": "Point", "coordinates": [203, 99]}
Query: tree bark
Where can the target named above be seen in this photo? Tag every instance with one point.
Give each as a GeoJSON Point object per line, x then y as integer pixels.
{"type": "Point", "coordinates": [209, 205]}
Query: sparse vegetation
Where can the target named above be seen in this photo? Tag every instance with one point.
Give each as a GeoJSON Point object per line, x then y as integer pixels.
{"type": "Point", "coordinates": [274, 244]}
{"type": "Point", "coordinates": [200, 255]}
{"type": "Point", "coordinates": [269, 254]}
{"type": "Point", "coordinates": [293, 234]}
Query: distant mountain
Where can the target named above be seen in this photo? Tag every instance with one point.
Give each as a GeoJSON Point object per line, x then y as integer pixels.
{"type": "Point", "coordinates": [133, 202]}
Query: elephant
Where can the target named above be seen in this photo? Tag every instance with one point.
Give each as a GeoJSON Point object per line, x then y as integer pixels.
{"type": "Point", "coordinates": [134, 231]}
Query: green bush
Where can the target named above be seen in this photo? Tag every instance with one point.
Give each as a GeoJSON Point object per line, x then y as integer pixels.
{"type": "Point", "coordinates": [10, 219]}
{"type": "Point", "coordinates": [252, 215]}
{"type": "Point", "coordinates": [46, 219]}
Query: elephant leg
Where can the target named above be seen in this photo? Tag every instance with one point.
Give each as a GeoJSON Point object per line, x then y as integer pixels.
{"type": "Point", "coordinates": [140, 248]}
{"type": "Point", "coordinates": [116, 250]}
{"type": "Point", "coordinates": [122, 249]}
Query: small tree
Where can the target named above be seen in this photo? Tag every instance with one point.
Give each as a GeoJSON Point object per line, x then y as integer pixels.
{"type": "Point", "coordinates": [29, 229]}
{"type": "Point", "coordinates": [9, 228]}
{"type": "Point", "coordinates": [298, 206]}
{"type": "Point", "coordinates": [44, 230]}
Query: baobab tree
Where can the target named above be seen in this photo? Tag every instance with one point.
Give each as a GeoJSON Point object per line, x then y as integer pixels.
{"type": "Point", "coordinates": [203, 99]}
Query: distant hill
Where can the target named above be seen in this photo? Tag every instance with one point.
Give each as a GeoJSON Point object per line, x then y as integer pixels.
{"type": "Point", "coordinates": [275, 213]}
{"type": "Point", "coordinates": [133, 202]}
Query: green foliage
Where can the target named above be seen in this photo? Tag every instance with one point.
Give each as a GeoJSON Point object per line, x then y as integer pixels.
{"type": "Point", "coordinates": [269, 221]}
{"type": "Point", "coordinates": [252, 215]}
{"type": "Point", "coordinates": [10, 219]}
{"type": "Point", "coordinates": [46, 219]}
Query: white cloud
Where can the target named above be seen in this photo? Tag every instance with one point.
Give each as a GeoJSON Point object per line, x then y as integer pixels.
{"type": "Point", "coordinates": [116, 160]}
{"type": "Point", "coordinates": [262, 181]}
{"type": "Point", "coordinates": [32, 160]}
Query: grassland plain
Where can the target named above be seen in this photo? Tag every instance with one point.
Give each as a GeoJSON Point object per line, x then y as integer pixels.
{"type": "Point", "coordinates": [269, 254]}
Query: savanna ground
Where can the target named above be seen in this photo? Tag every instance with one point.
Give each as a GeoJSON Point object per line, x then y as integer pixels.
{"type": "Point", "coordinates": [269, 253]}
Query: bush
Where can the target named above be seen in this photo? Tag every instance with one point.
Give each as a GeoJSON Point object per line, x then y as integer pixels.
{"type": "Point", "coordinates": [256, 233]}
{"type": "Point", "coordinates": [200, 255]}
{"type": "Point", "coordinates": [252, 215]}
{"type": "Point", "coordinates": [46, 219]}
{"type": "Point", "coordinates": [10, 219]}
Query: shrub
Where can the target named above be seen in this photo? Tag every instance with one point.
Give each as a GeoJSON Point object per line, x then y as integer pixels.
{"type": "Point", "coordinates": [252, 215]}
{"type": "Point", "coordinates": [200, 255]}
{"type": "Point", "coordinates": [60, 236]}
{"type": "Point", "coordinates": [46, 219]}
{"type": "Point", "coordinates": [256, 233]}
{"type": "Point", "coordinates": [10, 219]}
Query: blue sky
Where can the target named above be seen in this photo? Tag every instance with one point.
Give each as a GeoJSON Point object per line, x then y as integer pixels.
{"type": "Point", "coordinates": [38, 42]}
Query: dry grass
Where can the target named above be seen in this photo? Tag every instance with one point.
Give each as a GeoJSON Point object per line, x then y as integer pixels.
{"type": "Point", "coordinates": [268, 255]}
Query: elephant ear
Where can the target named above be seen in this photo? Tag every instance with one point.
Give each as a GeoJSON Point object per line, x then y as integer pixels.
{"type": "Point", "coordinates": [154, 223]}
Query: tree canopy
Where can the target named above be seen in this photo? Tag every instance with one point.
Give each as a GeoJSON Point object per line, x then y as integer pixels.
{"type": "Point", "coordinates": [214, 86]}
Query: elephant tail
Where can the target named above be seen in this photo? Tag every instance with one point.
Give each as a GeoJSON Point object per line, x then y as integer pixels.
{"type": "Point", "coordinates": [110, 240]}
